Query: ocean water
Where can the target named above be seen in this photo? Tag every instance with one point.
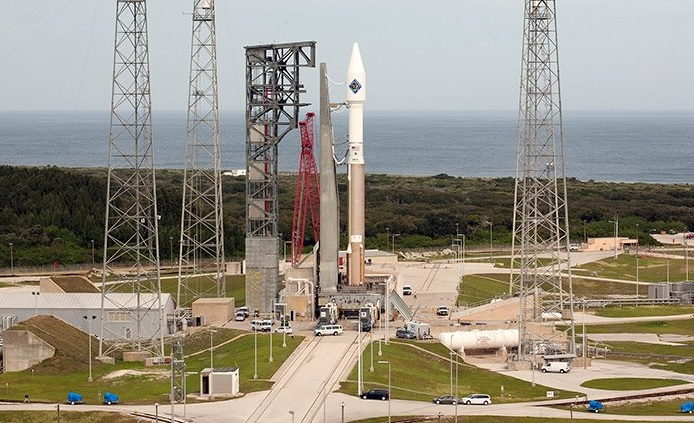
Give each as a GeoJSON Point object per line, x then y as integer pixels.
{"type": "Point", "coordinates": [622, 147]}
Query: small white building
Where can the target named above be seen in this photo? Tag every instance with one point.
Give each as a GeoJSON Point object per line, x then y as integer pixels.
{"type": "Point", "coordinates": [219, 381]}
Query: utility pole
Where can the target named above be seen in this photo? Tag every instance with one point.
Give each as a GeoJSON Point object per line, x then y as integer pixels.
{"type": "Point", "coordinates": [89, 337]}
{"type": "Point", "coordinates": [201, 270]}
{"type": "Point", "coordinates": [131, 228]}
{"type": "Point", "coordinates": [616, 234]}
{"type": "Point", "coordinates": [540, 213]}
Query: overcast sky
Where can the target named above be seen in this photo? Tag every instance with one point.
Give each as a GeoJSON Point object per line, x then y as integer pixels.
{"type": "Point", "coordinates": [436, 54]}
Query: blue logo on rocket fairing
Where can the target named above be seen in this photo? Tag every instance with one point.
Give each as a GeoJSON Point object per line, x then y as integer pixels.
{"type": "Point", "coordinates": [355, 86]}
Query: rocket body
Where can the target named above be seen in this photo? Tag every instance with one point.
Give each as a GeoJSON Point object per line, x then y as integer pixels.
{"type": "Point", "coordinates": [356, 96]}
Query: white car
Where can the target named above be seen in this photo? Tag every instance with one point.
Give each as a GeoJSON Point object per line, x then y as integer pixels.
{"type": "Point", "coordinates": [261, 325]}
{"type": "Point", "coordinates": [240, 316]}
{"type": "Point", "coordinates": [442, 311]}
{"type": "Point", "coordinates": [556, 367]}
{"type": "Point", "coordinates": [476, 399]}
{"type": "Point", "coordinates": [285, 329]}
{"type": "Point", "coordinates": [328, 330]}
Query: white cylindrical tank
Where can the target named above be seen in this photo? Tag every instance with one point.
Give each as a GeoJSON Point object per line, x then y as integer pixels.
{"type": "Point", "coordinates": [479, 339]}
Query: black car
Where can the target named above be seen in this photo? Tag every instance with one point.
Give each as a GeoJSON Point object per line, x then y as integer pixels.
{"type": "Point", "coordinates": [379, 394]}
{"type": "Point", "coordinates": [366, 327]}
{"type": "Point", "coordinates": [405, 334]}
{"type": "Point", "coordinates": [446, 399]}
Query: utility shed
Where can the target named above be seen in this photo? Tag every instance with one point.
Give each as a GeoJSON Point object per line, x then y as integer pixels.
{"type": "Point", "coordinates": [219, 381]}
{"type": "Point", "coordinates": [214, 311]}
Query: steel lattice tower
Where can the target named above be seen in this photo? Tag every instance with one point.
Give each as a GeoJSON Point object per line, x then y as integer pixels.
{"type": "Point", "coordinates": [131, 242]}
{"type": "Point", "coordinates": [306, 192]}
{"type": "Point", "coordinates": [273, 91]}
{"type": "Point", "coordinates": [178, 372]}
{"type": "Point", "coordinates": [201, 249]}
{"type": "Point", "coordinates": [540, 227]}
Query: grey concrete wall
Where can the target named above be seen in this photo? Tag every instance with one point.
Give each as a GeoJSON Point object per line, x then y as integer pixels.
{"type": "Point", "coordinates": [262, 273]}
{"type": "Point", "coordinates": [23, 349]}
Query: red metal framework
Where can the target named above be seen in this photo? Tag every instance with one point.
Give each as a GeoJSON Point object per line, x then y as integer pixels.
{"type": "Point", "coordinates": [307, 193]}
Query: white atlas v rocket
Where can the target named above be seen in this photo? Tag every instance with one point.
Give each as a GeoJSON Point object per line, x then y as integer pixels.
{"type": "Point", "coordinates": [356, 95]}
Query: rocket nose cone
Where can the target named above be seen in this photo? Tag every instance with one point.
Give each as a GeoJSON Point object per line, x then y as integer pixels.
{"type": "Point", "coordinates": [356, 77]}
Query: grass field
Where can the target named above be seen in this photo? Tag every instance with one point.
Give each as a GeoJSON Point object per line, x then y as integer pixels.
{"type": "Point", "coordinates": [51, 380]}
{"type": "Point", "coordinates": [235, 287]}
{"type": "Point", "coordinates": [651, 269]}
{"type": "Point", "coordinates": [486, 419]}
{"type": "Point", "coordinates": [677, 327]}
{"type": "Point", "coordinates": [418, 375]}
{"type": "Point", "coordinates": [65, 417]}
{"type": "Point", "coordinates": [481, 288]}
{"type": "Point", "coordinates": [631, 384]}
{"type": "Point", "coordinates": [650, 408]}
{"type": "Point", "coordinates": [662, 310]}
{"type": "Point", "coordinates": [686, 350]}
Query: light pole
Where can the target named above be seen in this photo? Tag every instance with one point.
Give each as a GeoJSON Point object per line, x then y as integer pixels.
{"type": "Point", "coordinates": [585, 341]}
{"type": "Point", "coordinates": [272, 318]}
{"type": "Point", "coordinates": [585, 234]}
{"type": "Point", "coordinates": [390, 394]}
{"type": "Point", "coordinates": [392, 250]}
{"type": "Point", "coordinates": [171, 250]}
{"type": "Point", "coordinates": [212, 331]}
{"type": "Point", "coordinates": [36, 302]}
{"type": "Point", "coordinates": [637, 261]}
{"type": "Point", "coordinates": [93, 254]}
{"type": "Point", "coordinates": [491, 240]}
{"type": "Point", "coordinates": [255, 354]}
{"type": "Point", "coordinates": [12, 257]}
{"type": "Point", "coordinates": [371, 341]}
{"type": "Point", "coordinates": [359, 354]}
{"type": "Point", "coordinates": [686, 255]}
{"type": "Point", "coordinates": [291, 412]}
{"type": "Point", "coordinates": [156, 412]}
{"type": "Point", "coordinates": [451, 353]}
{"type": "Point", "coordinates": [89, 336]}
{"type": "Point", "coordinates": [342, 407]}
{"type": "Point", "coordinates": [668, 269]}
{"type": "Point", "coordinates": [616, 233]}
{"type": "Point", "coordinates": [387, 238]}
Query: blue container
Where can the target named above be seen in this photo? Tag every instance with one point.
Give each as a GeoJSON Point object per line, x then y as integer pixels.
{"type": "Point", "coordinates": [110, 398]}
{"type": "Point", "coordinates": [595, 406]}
{"type": "Point", "coordinates": [74, 398]}
{"type": "Point", "coordinates": [687, 407]}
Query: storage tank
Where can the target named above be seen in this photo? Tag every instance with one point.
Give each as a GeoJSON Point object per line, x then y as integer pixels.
{"type": "Point", "coordinates": [479, 339]}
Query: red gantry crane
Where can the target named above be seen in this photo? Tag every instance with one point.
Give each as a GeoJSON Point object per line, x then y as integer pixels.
{"type": "Point", "coordinates": [307, 192]}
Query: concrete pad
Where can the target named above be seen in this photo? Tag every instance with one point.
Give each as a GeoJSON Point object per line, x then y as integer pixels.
{"type": "Point", "coordinates": [646, 338]}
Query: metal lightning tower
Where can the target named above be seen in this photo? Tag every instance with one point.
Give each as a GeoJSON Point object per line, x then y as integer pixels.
{"type": "Point", "coordinates": [307, 191]}
{"type": "Point", "coordinates": [273, 91]}
{"type": "Point", "coordinates": [131, 242]}
{"type": "Point", "coordinates": [540, 225]}
{"type": "Point", "coordinates": [201, 249]}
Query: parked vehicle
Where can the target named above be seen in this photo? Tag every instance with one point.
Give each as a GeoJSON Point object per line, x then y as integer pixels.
{"type": "Point", "coordinates": [476, 399]}
{"type": "Point", "coordinates": [74, 398]}
{"type": "Point", "coordinates": [556, 367]}
{"type": "Point", "coordinates": [328, 330]}
{"type": "Point", "coordinates": [442, 311]}
{"type": "Point", "coordinates": [446, 399]}
{"type": "Point", "coordinates": [406, 290]}
{"type": "Point", "coordinates": [240, 316]}
{"type": "Point", "coordinates": [243, 310]}
{"type": "Point", "coordinates": [111, 398]}
{"type": "Point", "coordinates": [687, 407]}
{"type": "Point", "coordinates": [261, 325]}
{"type": "Point", "coordinates": [379, 394]}
{"type": "Point", "coordinates": [285, 329]}
{"type": "Point", "coordinates": [405, 334]}
{"type": "Point", "coordinates": [595, 406]}
{"type": "Point", "coordinates": [366, 327]}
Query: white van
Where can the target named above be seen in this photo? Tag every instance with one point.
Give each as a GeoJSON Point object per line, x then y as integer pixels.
{"type": "Point", "coordinates": [328, 330]}
{"type": "Point", "coordinates": [556, 367]}
{"type": "Point", "coordinates": [261, 325]}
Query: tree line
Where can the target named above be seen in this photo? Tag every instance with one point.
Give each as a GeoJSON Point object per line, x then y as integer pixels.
{"type": "Point", "coordinates": [52, 215]}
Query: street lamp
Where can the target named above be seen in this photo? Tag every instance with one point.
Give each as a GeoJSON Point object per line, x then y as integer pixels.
{"type": "Point", "coordinates": [359, 358]}
{"type": "Point", "coordinates": [393, 244]}
{"type": "Point", "coordinates": [36, 302]}
{"type": "Point", "coordinates": [451, 353]}
{"type": "Point", "coordinates": [390, 394]}
{"type": "Point", "coordinates": [272, 318]}
{"type": "Point", "coordinates": [371, 341]}
{"type": "Point", "coordinates": [616, 233]}
{"type": "Point", "coordinates": [637, 261]}
{"type": "Point", "coordinates": [93, 255]}
{"type": "Point", "coordinates": [491, 240]}
{"type": "Point", "coordinates": [171, 250]}
{"type": "Point", "coordinates": [212, 331]}
{"type": "Point", "coordinates": [156, 412]}
{"type": "Point", "coordinates": [292, 414]}
{"type": "Point", "coordinates": [686, 255]}
{"type": "Point", "coordinates": [585, 234]}
{"type": "Point", "coordinates": [12, 257]}
{"type": "Point", "coordinates": [89, 336]}
{"type": "Point", "coordinates": [342, 407]}
{"type": "Point", "coordinates": [255, 354]}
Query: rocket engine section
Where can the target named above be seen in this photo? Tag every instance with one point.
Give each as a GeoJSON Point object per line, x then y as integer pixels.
{"type": "Point", "coordinates": [480, 339]}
